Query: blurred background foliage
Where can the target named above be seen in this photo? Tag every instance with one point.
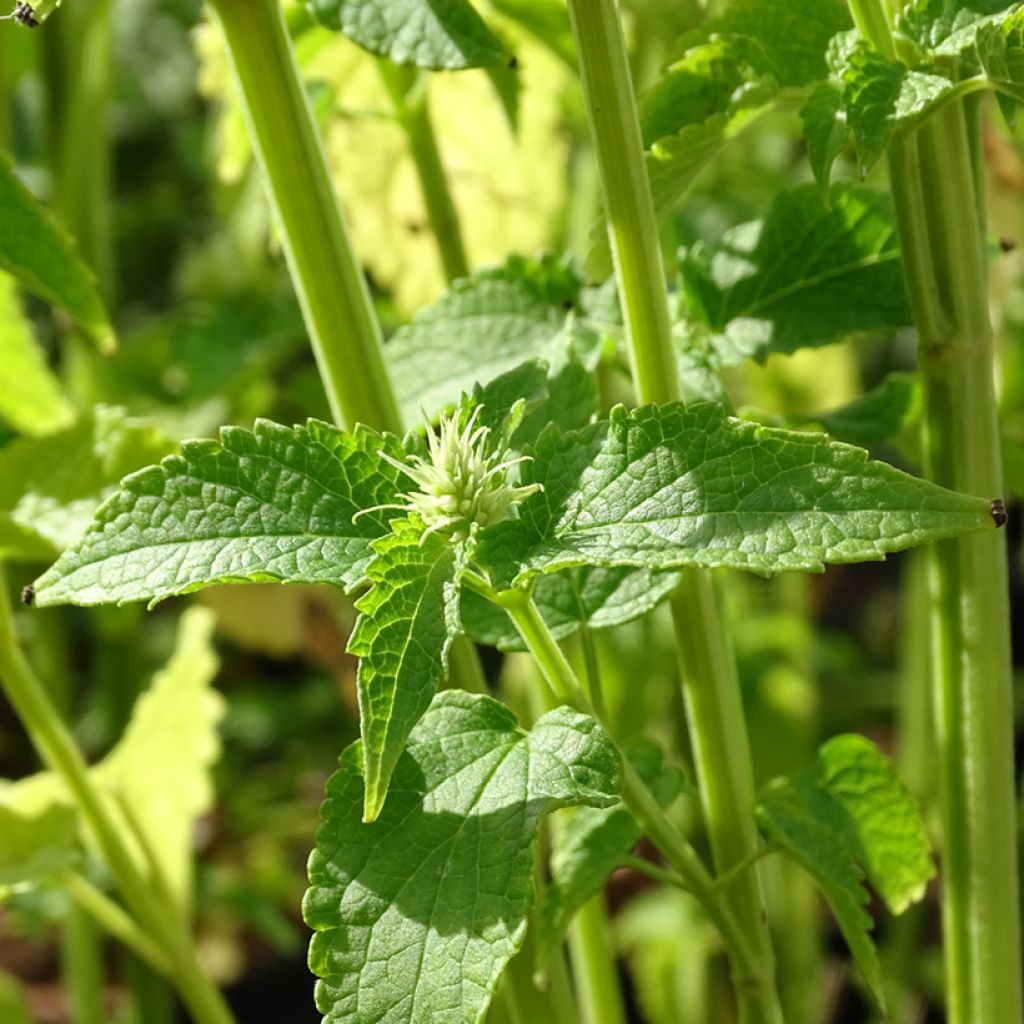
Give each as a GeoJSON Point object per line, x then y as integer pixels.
{"type": "Point", "coordinates": [120, 115]}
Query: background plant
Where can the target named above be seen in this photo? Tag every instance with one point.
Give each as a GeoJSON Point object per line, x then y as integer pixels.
{"type": "Point", "coordinates": [818, 264]}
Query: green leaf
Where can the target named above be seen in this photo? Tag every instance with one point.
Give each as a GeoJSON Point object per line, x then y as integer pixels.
{"type": "Point", "coordinates": [31, 398]}
{"type": "Point", "coordinates": [591, 842]}
{"type": "Point", "coordinates": [887, 836]}
{"type": "Point", "coordinates": [161, 766]}
{"type": "Point", "coordinates": [274, 504]}
{"type": "Point", "coordinates": [586, 596]}
{"type": "Point", "coordinates": [546, 20]}
{"type": "Point", "coordinates": [437, 34]}
{"type": "Point", "coordinates": [949, 26]}
{"type": "Point", "coordinates": [416, 915]}
{"type": "Point", "coordinates": [826, 131]}
{"type": "Point", "coordinates": [663, 487]}
{"type": "Point", "coordinates": [1000, 51]}
{"type": "Point", "coordinates": [406, 624]}
{"type": "Point", "coordinates": [50, 487]}
{"type": "Point", "coordinates": [35, 249]}
{"type": "Point", "coordinates": [883, 96]}
{"type": "Point", "coordinates": [885, 411]}
{"type": "Point", "coordinates": [481, 328]}
{"type": "Point", "coordinates": [806, 276]}
{"type": "Point", "coordinates": [789, 818]}
{"type": "Point", "coordinates": [35, 841]}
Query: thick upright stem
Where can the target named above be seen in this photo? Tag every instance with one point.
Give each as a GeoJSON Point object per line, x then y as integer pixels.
{"type": "Point", "coordinates": [715, 711]}
{"type": "Point", "coordinates": [410, 96]}
{"type": "Point", "coordinates": [343, 327]}
{"type": "Point", "coordinates": [335, 301]}
{"type": "Point", "coordinates": [935, 187]}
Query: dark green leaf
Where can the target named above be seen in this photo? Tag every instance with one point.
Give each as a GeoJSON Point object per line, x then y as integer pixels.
{"type": "Point", "coordinates": [807, 275]}
{"type": "Point", "coordinates": [591, 842]}
{"type": "Point", "coordinates": [416, 915]}
{"type": "Point", "coordinates": [274, 504]}
{"type": "Point", "coordinates": [883, 413]}
{"type": "Point", "coordinates": [437, 34]}
{"type": "Point", "coordinates": [826, 131]}
{"type": "Point", "coordinates": [406, 623]}
{"type": "Point", "coordinates": [791, 819]}
{"type": "Point", "coordinates": [35, 249]}
{"type": "Point", "coordinates": [586, 596]}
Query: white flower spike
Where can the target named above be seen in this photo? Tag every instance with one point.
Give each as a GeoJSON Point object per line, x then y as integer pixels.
{"type": "Point", "coordinates": [460, 485]}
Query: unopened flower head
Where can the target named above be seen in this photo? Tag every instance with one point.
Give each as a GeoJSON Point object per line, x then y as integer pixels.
{"type": "Point", "coordinates": [459, 484]}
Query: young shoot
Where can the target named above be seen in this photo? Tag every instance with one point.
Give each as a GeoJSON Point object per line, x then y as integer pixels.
{"type": "Point", "coordinates": [461, 484]}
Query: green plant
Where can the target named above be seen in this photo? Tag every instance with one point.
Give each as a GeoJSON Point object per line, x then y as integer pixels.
{"type": "Point", "coordinates": [533, 508]}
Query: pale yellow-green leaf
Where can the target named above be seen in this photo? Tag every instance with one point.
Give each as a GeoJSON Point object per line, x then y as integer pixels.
{"type": "Point", "coordinates": [509, 185]}
{"type": "Point", "coordinates": [161, 767]}
{"type": "Point", "coordinates": [31, 398]}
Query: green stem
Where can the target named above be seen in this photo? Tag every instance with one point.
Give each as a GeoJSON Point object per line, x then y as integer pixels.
{"type": "Point", "coordinates": [673, 845]}
{"type": "Point", "coordinates": [81, 955]}
{"type": "Point", "coordinates": [711, 689]}
{"type": "Point", "coordinates": [935, 185]}
{"type": "Point", "coordinates": [58, 751]}
{"type": "Point", "coordinates": [339, 316]}
{"type": "Point", "coordinates": [593, 964]}
{"type": "Point", "coordinates": [113, 920]}
{"type": "Point", "coordinates": [409, 91]}
{"type": "Point", "coordinates": [342, 325]}
{"type": "Point", "coordinates": [81, 94]}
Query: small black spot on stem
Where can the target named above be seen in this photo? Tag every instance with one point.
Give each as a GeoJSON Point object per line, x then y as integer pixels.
{"type": "Point", "coordinates": [513, 63]}
{"type": "Point", "coordinates": [999, 511]}
{"type": "Point", "coordinates": [28, 595]}
{"type": "Point", "coordinates": [1007, 244]}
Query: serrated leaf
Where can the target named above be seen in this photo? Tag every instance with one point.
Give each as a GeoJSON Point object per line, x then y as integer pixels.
{"type": "Point", "coordinates": [595, 597]}
{"type": "Point", "coordinates": [406, 623]}
{"type": "Point", "coordinates": [949, 26]}
{"type": "Point", "coordinates": [161, 766]}
{"type": "Point", "coordinates": [1000, 50]}
{"type": "Point", "coordinates": [883, 96]}
{"type": "Point", "coordinates": [35, 249]}
{"type": "Point", "coordinates": [50, 487]}
{"type": "Point", "coordinates": [481, 328]}
{"type": "Point", "coordinates": [416, 915]}
{"type": "Point", "coordinates": [888, 837]}
{"type": "Point", "coordinates": [273, 504]}
{"type": "Point", "coordinates": [31, 398]}
{"type": "Point", "coordinates": [806, 276]}
{"type": "Point", "coordinates": [35, 841]}
{"type": "Point", "coordinates": [663, 487]}
{"type": "Point", "coordinates": [591, 842]}
{"type": "Point", "coordinates": [787, 819]}
{"type": "Point", "coordinates": [437, 34]}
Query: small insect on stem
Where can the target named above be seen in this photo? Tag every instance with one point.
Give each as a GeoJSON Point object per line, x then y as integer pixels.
{"type": "Point", "coordinates": [23, 15]}
{"type": "Point", "coordinates": [999, 511]}
{"type": "Point", "coordinates": [28, 594]}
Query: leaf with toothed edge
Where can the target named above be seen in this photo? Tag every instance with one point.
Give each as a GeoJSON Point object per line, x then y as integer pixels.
{"type": "Point", "coordinates": [416, 915]}
{"type": "Point", "coordinates": [406, 623]}
{"type": "Point", "coordinates": [276, 503]}
{"type": "Point", "coordinates": [663, 487]}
